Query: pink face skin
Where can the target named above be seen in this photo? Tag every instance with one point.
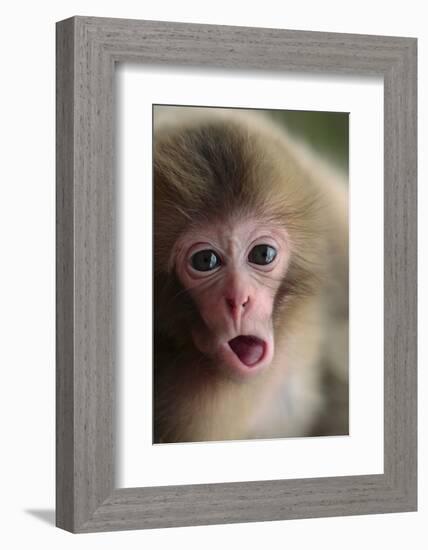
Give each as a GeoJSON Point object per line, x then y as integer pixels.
{"type": "Point", "coordinates": [233, 285]}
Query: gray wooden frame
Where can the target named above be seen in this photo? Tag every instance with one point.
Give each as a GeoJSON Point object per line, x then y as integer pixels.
{"type": "Point", "coordinates": [87, 50]}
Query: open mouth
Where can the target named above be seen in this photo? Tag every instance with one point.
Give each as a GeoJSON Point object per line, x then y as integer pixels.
{"type": "Point", "coordinates": [249, 349]}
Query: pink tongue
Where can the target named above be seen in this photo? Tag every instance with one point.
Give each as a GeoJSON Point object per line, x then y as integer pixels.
{"type": "Point", "coordinates": [248, 348]}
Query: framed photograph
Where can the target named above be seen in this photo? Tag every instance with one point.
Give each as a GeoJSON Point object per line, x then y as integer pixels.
{"type": "Point", "coordinates": [236, 274]}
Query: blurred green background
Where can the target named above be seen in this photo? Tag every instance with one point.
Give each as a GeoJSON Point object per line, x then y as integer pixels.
{"type": "Point", "coordinates": [326, 132]}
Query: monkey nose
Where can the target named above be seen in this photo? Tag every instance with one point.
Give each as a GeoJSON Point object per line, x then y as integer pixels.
{"type": "Point", "coordinates": [236, 305]}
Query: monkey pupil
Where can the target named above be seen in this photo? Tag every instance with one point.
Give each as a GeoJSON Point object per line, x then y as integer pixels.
{"type": "Point", "coordinates": [205, 260]}
{"type": "Point", "coordinates": [262, 254]}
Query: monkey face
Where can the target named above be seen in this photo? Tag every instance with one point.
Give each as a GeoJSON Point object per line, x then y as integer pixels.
{"type": "Point", "coordinates": [232, 271]}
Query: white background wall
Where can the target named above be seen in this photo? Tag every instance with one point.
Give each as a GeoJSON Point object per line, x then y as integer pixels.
{"type": "Point", "coordinates": [27, 272]}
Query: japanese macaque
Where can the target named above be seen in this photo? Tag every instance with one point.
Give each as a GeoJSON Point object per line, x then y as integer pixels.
{"type": "Point", "coordinates": [250, 281]}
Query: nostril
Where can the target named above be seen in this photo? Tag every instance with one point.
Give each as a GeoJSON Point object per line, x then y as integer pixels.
{"type": "Point", "coordinates": [232, 304]}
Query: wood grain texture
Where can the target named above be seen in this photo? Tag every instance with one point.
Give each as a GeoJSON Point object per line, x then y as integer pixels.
{"type": "Point", "coordinates": [87, 49]}
{"type": "Point", "coordinates": [64, 278]}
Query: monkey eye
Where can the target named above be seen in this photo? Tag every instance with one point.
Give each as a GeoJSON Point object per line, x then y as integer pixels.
{"type": "Point", "coordinates": [205, 260]}
{"type": "Point", "coordinates": [262, 254]}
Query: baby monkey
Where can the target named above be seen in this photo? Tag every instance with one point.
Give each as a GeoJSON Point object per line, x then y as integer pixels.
{"type": "Point", "coordinates": [250, 281]}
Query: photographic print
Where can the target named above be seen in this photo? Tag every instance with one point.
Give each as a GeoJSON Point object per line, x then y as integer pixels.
{"type": "Point", "coordinates": [250, 277]}
{"type": "Point", "coordinates": [250, 274]}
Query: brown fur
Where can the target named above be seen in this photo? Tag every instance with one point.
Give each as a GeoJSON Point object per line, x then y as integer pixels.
{"type": "Point", "coordinates": [209, 165]}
